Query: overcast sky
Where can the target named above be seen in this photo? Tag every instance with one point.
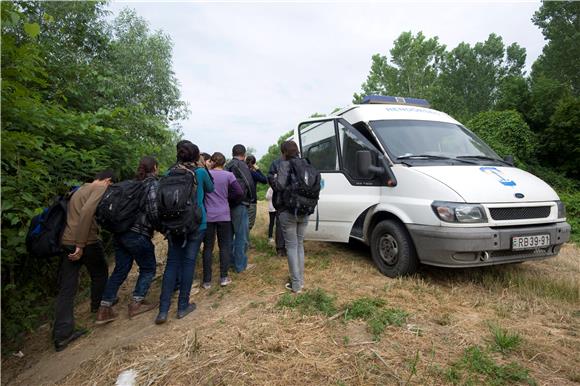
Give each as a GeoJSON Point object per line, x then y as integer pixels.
{"type": "Point", "coordinates": [252, 71]}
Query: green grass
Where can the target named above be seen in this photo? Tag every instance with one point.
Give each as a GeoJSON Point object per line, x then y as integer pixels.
{"type": "Point", "coordinates": [378, 318]}
{"type": "Point", "coordinates": [504, 341]}
{"type": "Point", "coordinates": [310, 302]}
{"type": "Point", "coordinates": [476, 366]}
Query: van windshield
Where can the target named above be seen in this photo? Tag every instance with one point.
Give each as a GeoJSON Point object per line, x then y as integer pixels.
{"type": "Point", "coordinates": [412, 141]}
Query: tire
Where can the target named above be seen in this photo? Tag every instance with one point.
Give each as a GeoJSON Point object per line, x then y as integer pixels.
{"type": "Point", "coordinates": [392, 249]}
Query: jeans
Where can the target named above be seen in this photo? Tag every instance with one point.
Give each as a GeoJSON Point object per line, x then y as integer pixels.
{"type": "Point", "coordinates": [224, 236]}
{"type": "Point", "coordinates": [240, 242]}
{"type": "Point", "coordinates": [294, 227]}
{"type": "Point", "coordinates": [252, 210]}
{"type": "Point", "coordinates": [68, 278]}
{"type": "Point", "coordinates": [271, 224]}
{"type": "Point", "coordinates": [129, 247]}
{"type": "Point", "coordinates": [180, 266]}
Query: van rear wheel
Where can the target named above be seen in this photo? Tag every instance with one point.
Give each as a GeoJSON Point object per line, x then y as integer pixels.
{"type": "Point", "coordinates": [392, 249]}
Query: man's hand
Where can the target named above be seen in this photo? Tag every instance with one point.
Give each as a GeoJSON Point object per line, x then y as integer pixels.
{"type": "Point", "coordinates": [77, 254]}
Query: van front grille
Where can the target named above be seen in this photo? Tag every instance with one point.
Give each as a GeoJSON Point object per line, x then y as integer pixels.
{"type": "Point", "coordinates": [520, 213]}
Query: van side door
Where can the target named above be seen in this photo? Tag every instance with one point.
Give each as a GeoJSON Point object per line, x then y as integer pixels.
{"type": "Point", "coordinates": [331, 145]}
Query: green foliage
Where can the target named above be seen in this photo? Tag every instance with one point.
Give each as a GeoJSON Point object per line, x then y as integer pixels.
{"type": "Point", "coordinates": [64, 117]}
{"type": "Point", "coordinates": [504, 341]}
{"type": "Point", "coordinates": [560, 142]}
{"type": "Point", "coordinates": [309, 302]}
{"type": "Point", "coordinates": [476, 366]}
{"type": "Point", "coordinates": [378, 318]}
{"type": "Point", "coordinates": [560, 25]}
{"type": "Point", "coordinates": [415, 63]}
{"type": "Point", "coordinates": [506, 132]}
{"type": "Point", "coordinates": [273, 152]}
{"type": "Point", "coordinates": [572, 202]}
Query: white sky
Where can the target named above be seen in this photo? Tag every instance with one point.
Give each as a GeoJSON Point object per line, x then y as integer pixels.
{"type": "Point", "coordinates": [252, 71]}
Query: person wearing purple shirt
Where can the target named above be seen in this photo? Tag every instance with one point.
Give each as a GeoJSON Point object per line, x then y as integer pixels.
{"type": "Point", "coordinates": [217, 205]}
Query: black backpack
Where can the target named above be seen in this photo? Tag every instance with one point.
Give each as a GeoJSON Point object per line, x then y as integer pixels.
{"type": "Point", "coordinates": [43, 239]}
{"type": "Point", "coordinates": [301, 196]}
{"type": "Point", "coordinates": [120, 205]}
{"type": "Point", "coordinates": [179, 213]}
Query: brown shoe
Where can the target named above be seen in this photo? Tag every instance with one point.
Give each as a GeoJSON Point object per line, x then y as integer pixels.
{"type": "Point", "coordinates": [105, 315]}
{"type": "Point", "coordinates": [136, 308]}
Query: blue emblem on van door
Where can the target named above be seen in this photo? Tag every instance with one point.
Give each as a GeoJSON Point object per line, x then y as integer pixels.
{"type": "Point", "coordinates": [496, 172]}
{"type": "Point", "coordinates": [321, 183]}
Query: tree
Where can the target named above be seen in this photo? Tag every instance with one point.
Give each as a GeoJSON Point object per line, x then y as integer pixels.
{"type": "Point", "coordinates": [273, 152]}
{"type": "Point", "coordinates": [415, 65]}
{"type": "Point", "coordinates": [560, 25]}
{"type": "Point", "coordinates": [471, 77]}
{"type": "Point", "coordinates": [60, 125]}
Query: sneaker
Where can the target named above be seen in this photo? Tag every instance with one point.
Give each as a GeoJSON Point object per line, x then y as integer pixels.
{"type": "Point", "coordinates": [271, 241]}
{"type": "Point", "coordinates": [161, 318]}
{"type": "Point", "coordinates": [249, 267]}
{"type": "Point", "coordinates": [61, 345]}
{"type": "Point", "coordinates": [288, 286]}
{"type": "Point", "coordinates": [224, 281]}
{"type": "Point", "coordinates": [105, 314]}
{"type": "Point", "coordinates": [206, 285]}
{"type": "Point", "coordinates": [183, 313]}
{"type": "Point", "coordinates": [136, 308]}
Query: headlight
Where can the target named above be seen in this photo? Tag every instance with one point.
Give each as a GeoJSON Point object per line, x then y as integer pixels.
{"type": "Point", "coordinates": [561, 209]}
{"type": "Point", "coordinates": [458, 212]}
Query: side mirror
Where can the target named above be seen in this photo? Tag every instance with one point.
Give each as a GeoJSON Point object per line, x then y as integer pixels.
{"type": "Point", "coordinates": [366, 169]}
{"type": "Point", "coordinates": [509, 159]}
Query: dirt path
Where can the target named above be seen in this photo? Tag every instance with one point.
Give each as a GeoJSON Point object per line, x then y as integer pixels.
{"type": "Point", "coordinates": [238, 335]}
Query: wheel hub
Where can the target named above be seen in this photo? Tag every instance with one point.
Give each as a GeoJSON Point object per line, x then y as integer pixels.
{"type": "Point", "coordinates": [388, 249]}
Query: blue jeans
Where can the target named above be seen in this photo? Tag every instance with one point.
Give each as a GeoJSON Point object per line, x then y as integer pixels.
{"type": "Point", "coordinates": [180, 266]}
{"type": "Point", "coordinates": [240, 243]}
{"type": "Point", "coordinates": [129, 247]}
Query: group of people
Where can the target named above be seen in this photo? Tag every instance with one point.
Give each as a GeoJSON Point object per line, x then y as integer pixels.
{"type": "Point", "coordinates": [224, 199]}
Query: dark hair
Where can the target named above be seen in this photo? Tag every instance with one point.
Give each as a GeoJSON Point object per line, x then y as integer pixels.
{"type": "Point", "coordinates": [218, 159]}
{"type": "Point", "coordinates": [289, 149]}
{"type": "Point", "coordinates": [146, 166]}
{"type": "Point", "coordinates": [205, 156]}
{"type": "Point", "coordinates": [183, 141]}
{"type": "Point", "coordinates": [187, 152]}
{"type": "Point", "coordinates": [109, 173]}
{"type": "Point", "coordinates": [251, 160]}
{"type": "Point", "coordinates": [238, 150]}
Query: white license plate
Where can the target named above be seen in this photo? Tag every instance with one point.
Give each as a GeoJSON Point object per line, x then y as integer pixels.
{"type": "Point", "coordinates": [530, 242]}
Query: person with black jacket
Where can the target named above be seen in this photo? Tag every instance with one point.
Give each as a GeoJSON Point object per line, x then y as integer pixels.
{"type": "Point", "coordinates": [239, 210]}
{"type": "Point", "coordinates": [276, 202]}
{"type": "Point", "coordinates": [135, 245]}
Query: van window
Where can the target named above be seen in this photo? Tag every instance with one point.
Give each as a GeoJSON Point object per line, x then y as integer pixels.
{"type": "Point", "coordinates": [318, 142]}
{"type": "Point", "coordinates": [349, 147]}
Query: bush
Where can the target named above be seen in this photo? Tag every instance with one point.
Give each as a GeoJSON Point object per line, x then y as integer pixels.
{"type": "Point", "coordinates": [506, 132]}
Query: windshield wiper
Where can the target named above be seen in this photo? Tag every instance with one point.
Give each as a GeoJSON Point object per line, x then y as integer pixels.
{"type": "Point", "coordinates": [434, 157]}
{"type": "Point", "coordinates": [484, 158]}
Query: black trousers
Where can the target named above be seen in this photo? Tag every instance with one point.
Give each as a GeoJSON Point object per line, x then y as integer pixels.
{"type": "Point", "coordinates": [224, 236]}
{"type": "Point", "coordinates": [271, 224]}
{"type": "Point", "coordinates": [68, 278]}
{"type": "Point", "coordinates": [280, 243]}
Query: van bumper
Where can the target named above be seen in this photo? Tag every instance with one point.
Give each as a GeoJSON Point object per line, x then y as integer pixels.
{"type": "Point", "coordinates": [475, 247]}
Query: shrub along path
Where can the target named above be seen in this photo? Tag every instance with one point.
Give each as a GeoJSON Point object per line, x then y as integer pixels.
{"type": "Point", "coordinates": [352, 326]}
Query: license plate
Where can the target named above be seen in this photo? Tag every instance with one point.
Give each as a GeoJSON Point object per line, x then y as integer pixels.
{"type": "Point", "coordinates": [530, 242]}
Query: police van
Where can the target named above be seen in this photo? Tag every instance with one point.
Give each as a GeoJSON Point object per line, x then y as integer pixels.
{"type": "Point", "coordinates": [419, 187]}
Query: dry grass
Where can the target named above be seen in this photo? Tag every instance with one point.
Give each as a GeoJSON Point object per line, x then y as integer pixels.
{"type": "Point", "coordinates": [239, 335]}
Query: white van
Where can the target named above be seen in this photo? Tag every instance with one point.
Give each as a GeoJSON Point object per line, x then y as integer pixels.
{"type": "Point", "coordinates": [418, 187]}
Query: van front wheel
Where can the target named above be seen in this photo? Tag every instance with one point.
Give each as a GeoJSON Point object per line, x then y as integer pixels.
{"type": "Point", "coordinates": [392, 249]}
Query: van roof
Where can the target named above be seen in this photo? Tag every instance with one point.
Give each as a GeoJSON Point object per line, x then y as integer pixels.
{"type": "Point", "coordinates": [379, 112]}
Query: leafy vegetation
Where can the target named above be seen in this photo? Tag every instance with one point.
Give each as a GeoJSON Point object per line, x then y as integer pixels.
{"type": "Point", "coordinates": [504, 341]}
{"type": "Point", "coordinates": [309, 302]}
{"type": "Point", "coordinates": [476, 366]}
{"type": "Point", "coordinates": [377, 317]}
{"type": "Point", "coordinates": [79, 94]}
